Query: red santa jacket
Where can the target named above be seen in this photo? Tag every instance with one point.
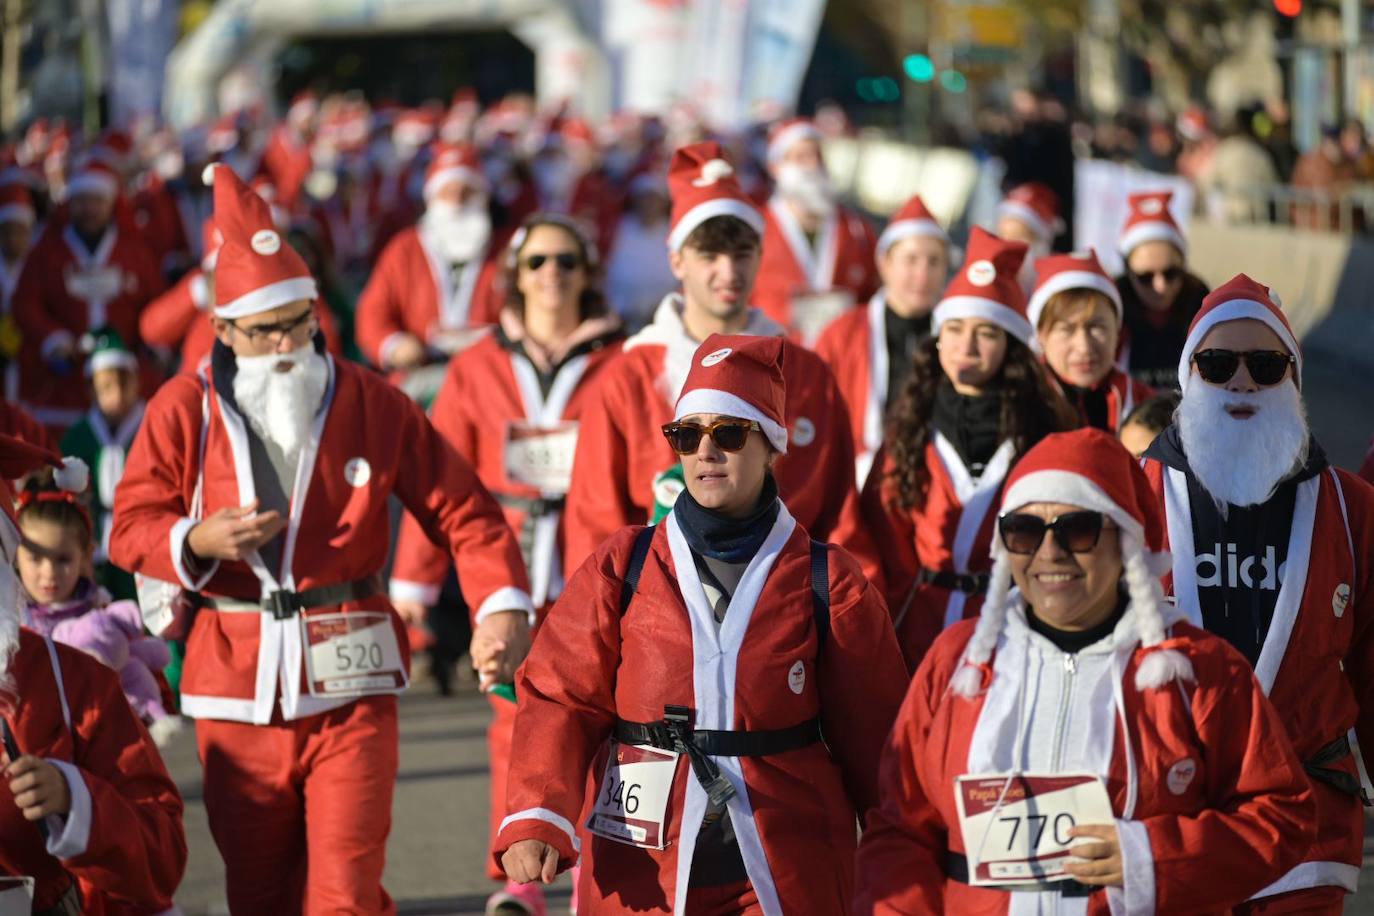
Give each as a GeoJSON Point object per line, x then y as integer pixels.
{"type": "Point", "coordinates": [621, 450]}
{"type": "Point", "coordinates": [123, 840]}
{"type": "Point", "coordinates": [491, 396]}
{"type": "Point", "coordinates": [1210, 800]}
{"type": "Point", "coordinates": [1317, 663]}
{"type": "Point", "coordinates": [841, 259]}
{"type": "Point", "coordinates": [855, 347]}
{"type": "Point", "coordinates": [369, 442]}
{"type": "Point", "coordinates": [794, 813]}
{"type": "Point", "coordinates": [158, 219]}
{"type": "Point", "coordinates": [407, 293]}
{"type": "Point", "coordinates": [1123, 394]}
{"type": "Point", "coordinates": [951, 532]}
{"type": "Point", "coordinates": [65, 291]}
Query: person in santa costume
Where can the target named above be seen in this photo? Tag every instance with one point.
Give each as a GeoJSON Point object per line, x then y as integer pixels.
{"type": "Point", "coordinates": [976, 399]}
{"type": "Point", "coordinates": [1274, 550]}
{"type": "Point", "coordinates": [623, 474]}
{"type": "Point", "coordinates": [87, 809]}
{"type": "Point", "coordinates": [724, 635]}
{"type": "Point", "coordinates": [1076, 312]}
{"type": "Point", "coordinates": [88, 275]}
{"type": "Point", "coordinates": [1030, 214]}
{"type": "Point", "coordinates": [870, 349]}
{"type": "Point", "coordinates": [257, 493]}
{"type": "Point", "coordinates": [817, 254]}
{"type": "Point", "coordinates": [16, 237]}
{"type": "Point", "coordinates": [287, 157]}
{"type": "Point", "coordinates": [433, 287]}
{"type": "Point", "coordinates": [1159, 295]}
{"type": "Point", "coordinates": [510, 405]}
{"type": "Point", "coordinates": [1190, 799]}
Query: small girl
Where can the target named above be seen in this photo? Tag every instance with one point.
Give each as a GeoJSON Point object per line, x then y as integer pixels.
{"type": "Point", "coordinates": [65, 603]}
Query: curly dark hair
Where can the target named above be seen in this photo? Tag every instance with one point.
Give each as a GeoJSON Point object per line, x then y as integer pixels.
{"type": "Point", "coordinates": [43, 500]}
{"type": "Point", "coordinates": [1031, 410]}
{"type": "Point", "coordinates": [593, 301]}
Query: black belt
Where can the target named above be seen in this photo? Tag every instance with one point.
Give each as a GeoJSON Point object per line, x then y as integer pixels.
{"type": "Point", "coordinates": [968, 583]}
{"type": "Point", "coordinates": [283, 604]}
{"type": "Point", "coordinates": [1319, 768]}
{"type": "Point", "coordinates": [675, 734]}
{"type": "Point", "coordinates": [532, 506]}
{"type": "Point", "coordinates": [956, 869]}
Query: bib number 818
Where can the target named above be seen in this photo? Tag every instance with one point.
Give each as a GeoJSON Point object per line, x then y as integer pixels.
{"type": "Point", "coordinates": [358, 656]}
{"type": "Point", "coordinates": [623, 796]}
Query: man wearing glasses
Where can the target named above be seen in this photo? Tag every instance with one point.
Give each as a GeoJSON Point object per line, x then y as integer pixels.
{"type": "Point", "coordinates": [261, 488]}
{"type": "Point", "coordinates": [1273, 549]}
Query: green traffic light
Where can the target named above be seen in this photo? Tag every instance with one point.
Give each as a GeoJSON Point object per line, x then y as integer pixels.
{"type": "Point", "coordinates": [919, 67]}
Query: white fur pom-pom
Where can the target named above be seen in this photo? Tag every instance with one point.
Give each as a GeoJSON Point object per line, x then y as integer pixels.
{"type": "Point", "coordinates": [1161, 666]}
{"type": "Point", "coordinates": [74, 476]}
{"type": "Point", "coordinates": [967, 681]}
{"type": "Point", "coordinates": [207, 174]}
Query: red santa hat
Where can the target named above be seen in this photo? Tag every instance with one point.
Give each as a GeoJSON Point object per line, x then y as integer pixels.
{"type": "Point", "coordinates": [16, 206]}
{"type": "Point", "coordinates": [1150, 221]}
{"type": "Point", "coordinates": [1090, 469]}
{"type": "Point", "coordinates": [785, 133]}
{"type": "Point", "coordinates": [912, 220]}
{"type": "Point", "coordinates": [1240, 297]}
{"type": "Point", "coordinates": [255, 270]}
{"type": "Point", "coordinates": [1037, 206]}
{"type": "Point", "coordinates": [703, 185]}
{"type": "Point", "coordinates": [454, 162]}
{"type": "Point", "coordinates": [115, 148]}
{"type": "Point", "coordinates": [987, 287]}
{"type": "Point", "coordinates": [1062, 272]}
{"type": "Point", "coordinates": [739, 376]}
{"type": "Point", "coordinates": [95, 177]}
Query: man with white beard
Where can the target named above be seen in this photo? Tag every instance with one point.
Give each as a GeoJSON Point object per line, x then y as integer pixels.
{"type": "Point", "coordinates": [1273, 549]}
{"type": "Point", "coordinates": [262, 488]}
{"type": "Point", "coordinates": [432, 288]}
{"type": "Point", "coordinates": [87, 809]}
{"type": "Point", "coordinates": [817, 255]}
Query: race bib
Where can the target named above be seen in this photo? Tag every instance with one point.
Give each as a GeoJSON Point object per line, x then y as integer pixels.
{"type": "Point", "coordinates": [16, 896]}
{"type": "Point", "coordinates": [541, 456]}
{"type": "Point", "coordinates": [811, 312]}
{"type": "Point", "coordinates": [1025, 840]}
{"type": "Point", "coordinates": [632, 799]}
{"type": "Point", "coordinates": [351, 654]}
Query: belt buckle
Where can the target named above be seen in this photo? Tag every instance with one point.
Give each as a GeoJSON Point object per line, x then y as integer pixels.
{"type": "Point", "coordinates": [283, 604]}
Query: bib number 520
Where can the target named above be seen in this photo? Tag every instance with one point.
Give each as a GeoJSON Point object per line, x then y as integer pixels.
{"type": "Point", "coordinates": [358, 656]}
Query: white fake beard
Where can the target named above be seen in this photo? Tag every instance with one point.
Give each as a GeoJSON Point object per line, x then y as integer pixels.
{"type": "Point", "coordinates": [281, 406]}
{"type": "Point", "coordinates": [808, 188]}
{"type": "Point", "coordinates": [462, 232]}
{"type": "Point", "coordinates": [1241, 462]}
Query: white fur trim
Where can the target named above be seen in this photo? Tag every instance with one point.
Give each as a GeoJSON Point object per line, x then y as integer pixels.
{"type": "Point", "coordinates": [423, 592]}
{"type": "Point", "coordinates": [74, 475]}
{"type": "Point", "coordinates": [723, 403]}
{"type": "Point", "coordinates": [783, 140]}
{"type": "Point", "coordinates": [176, 540]}
{"type": "Point", "coordinates": [548, 817]}
{"type": "Point", "coordinates": [509, 598]}
{"type": "Point", "coordinates": [1028, 215]}
{"type": "Point", "coordinates": [1006, 318]}
{"type": "Point", "coordinates": [266, 298]}
{"type": "Point", "coordinates": [1151, 231]}
{"type": "Point", "coordinates": [716, 206]}
{"type": "Point", "coordinates": [73, 832]}
{"type": "Point", "coordinates": [1067, 280]}
{"type": "Point", "coordinates": [459, 173]}
{"type": "Point", "coordinates": [92, 183]}
{"type": "Point", "coordinates": [1235, 310]}
{"type": "Point", "coordinates": [1161, 666]}
{"type": "Point", "coordinates": [111, 359]}
{"type": "Point", "coordinates": [17, 213]}
{"type": "Point", "coordinates": [909, 228]}
{"type": "Point", "coordinates": [1137, 893]}
{"type": "Point", "coordinates": [1314, 874]}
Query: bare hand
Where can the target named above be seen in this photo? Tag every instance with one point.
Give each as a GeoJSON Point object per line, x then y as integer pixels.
{"type": "Point", "coordinates": [530, 860]}
{"type": "Point", "coordinates": [39, 788]}
{"type": "Point", "coordinates": [499, 644]}
{"type": "Point", "coordinates": [412, 613]}
{"type": "Point", "coordinates": [1104, 866]}
{"type": "Point", "coordinates": [232, 534]}
{"type": "Point", "coordinates": [405, 352]}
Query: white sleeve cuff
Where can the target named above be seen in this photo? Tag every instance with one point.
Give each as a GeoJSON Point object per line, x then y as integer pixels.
{"type": "Point", "coordinates": [177, 541]}
{"type": "Point", "coordinates": [509, 598]}
{"type": "Point", "coordinates": [1137, 893]}
{"type": "Point", "coordinates": [53, 341]}
{"type": "Point", "coordinates": [388, 344]}
{"type": "Point", "coordinates": [69, 834]}
{"type": "Point", "coordinates": [548, 817]}
{"type": "Point", "coordinates": [423, 592]}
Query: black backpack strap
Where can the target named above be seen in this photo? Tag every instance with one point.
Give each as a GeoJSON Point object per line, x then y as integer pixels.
{"type": "Point", "coordinates": [820, 592]}
{"type": "Point", "coordinates": [638, 554]}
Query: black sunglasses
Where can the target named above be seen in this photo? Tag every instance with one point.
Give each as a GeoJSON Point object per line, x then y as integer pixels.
{"type": "Point", "coordinates": [728, 435]}
{"type": "Point", "coordinates": [1147, 277]}
{"type": "Point", "coordinates": [1076, 532]}
{"type": "Point", "coordinates": [1266, 367]}
{"type": "Point", "coordinates": [566, 261]}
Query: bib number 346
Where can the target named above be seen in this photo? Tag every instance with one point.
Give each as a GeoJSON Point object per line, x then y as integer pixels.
{"type": "Point", "coordinates": [632, 798]}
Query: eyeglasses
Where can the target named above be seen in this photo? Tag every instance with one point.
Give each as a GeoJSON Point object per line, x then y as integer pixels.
{"type": "Point", "coordinates": [272, 334]}
{"type": "Point", "coordinates": [1076, 532]}
{"type": "Point", "coordinates": [728, 435]}
{"type": "Point", "coordinates": [1147, 277]}
{"type": "Point", "coordinates": [566, 261]}
{"type": "Point", "coordinates": [1266, 367]}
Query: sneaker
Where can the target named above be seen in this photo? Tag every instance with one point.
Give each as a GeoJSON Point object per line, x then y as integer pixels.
{"type": "Point", "coordinates": [517, 900]}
